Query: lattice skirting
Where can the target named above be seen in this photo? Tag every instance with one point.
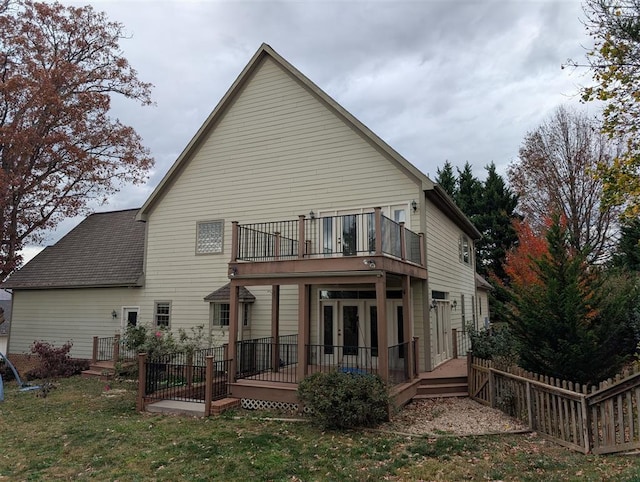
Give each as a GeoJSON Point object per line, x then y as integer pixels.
{"type": "Point", "coordinates": [252, 404]}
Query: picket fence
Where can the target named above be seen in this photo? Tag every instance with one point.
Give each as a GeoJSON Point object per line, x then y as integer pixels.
{"type": "Point", "coordinates": [590, 419]}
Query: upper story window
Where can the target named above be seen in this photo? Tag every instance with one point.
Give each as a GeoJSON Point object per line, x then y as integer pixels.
{"type": "Point", "coordinates": [162, 314]}
{"type": "Point", "coordinates": [209, 237]}
{"type": "Point", "coordinates": [465, 250]}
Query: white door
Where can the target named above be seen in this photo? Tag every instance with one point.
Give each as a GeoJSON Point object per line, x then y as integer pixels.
{"type": "Point", "coordinates": [129, 317]}
{"type": "Point", "coordinates": [441, 322]}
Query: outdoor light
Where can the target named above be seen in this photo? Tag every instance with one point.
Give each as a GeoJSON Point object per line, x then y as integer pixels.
{"type": "Point", "coordinates": [312, 215]}
{"type": "Point", "coordinates": [369, 262]}
{"type": "Point", "coordinates": [433, 304]}
{"type": "Point", "coordinates": [454, 304]}
{"type": "Point", "coordinates": [414, 205]}
{"type": "Point", "coordinates": [114, 314]}
{"type": "Point", "coordinates": [233, 272]}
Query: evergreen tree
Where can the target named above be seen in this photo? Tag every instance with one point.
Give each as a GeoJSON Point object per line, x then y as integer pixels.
{"type": "Point", "coordinates": [447, 180]}
{"type": "Point", "coordinates": [574, 324]}
{"type": "Point", "coordinates": [627, 255]}
{"type": "Point", "coordinates": [494, 219]}
{"type": "Point", "coordinates": [469, 195]}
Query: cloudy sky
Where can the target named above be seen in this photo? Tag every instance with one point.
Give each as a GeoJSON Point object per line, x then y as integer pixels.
{"type": "Point", "coordinates": [436, 79]}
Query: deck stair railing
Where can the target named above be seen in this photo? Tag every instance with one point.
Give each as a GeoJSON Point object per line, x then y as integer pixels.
{"type": "Point", "coordinates": [399, 370]}
{"type": "Point", "coordinates": [111, 348]}
{"type": "Point", "coordinates": [259, 358]}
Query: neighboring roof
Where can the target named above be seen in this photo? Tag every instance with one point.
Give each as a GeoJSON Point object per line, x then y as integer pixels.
{"type": "Point", "coordinates": [104, 250]}
{"type": "Point", "coordinates": [227, 100]}
{"type": "Point", "coordinates": [224, 294]}
{"type": "Point", "coordinates": [483, 283]}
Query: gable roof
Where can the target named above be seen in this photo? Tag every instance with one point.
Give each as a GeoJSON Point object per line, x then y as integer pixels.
{"type": "Point", "coordinates": [224, 294]}
{"type": "Point", "coordinates": [104, 250]}
{"type": "Point", "coordinates": [265, 51]}
{"type": "Point", "coordinates": [483, 284]}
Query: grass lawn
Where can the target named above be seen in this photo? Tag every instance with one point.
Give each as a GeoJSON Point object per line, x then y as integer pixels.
{"type": "Point", "coordinates": [80, 431]}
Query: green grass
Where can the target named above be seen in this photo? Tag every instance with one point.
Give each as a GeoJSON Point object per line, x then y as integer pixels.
{"type": "Point", "coordinates": [80, 431]}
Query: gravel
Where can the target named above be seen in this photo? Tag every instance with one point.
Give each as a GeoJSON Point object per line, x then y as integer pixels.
{"type": "Point", "coordinates": [454, 416]}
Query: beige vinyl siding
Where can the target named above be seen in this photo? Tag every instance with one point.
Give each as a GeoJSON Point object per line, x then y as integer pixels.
{"type": "Point", "coordinates": [446, 272]}
{"type": "Point", "coordinates": [62, 315]}
{"type": "Point", "coordinates": [277, 153]}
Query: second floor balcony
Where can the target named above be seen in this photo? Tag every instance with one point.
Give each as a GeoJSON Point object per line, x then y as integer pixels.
{"type": "Point", "coordinates": [363, 241]}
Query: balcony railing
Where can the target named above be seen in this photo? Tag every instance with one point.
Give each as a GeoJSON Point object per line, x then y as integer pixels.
{"type": "Point", "coordinates": [256, 359]}
{"type": "Point", "coordinates": [346, 235]}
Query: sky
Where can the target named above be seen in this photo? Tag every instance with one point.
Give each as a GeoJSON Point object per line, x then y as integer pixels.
{"type": "Point", "coordinates": [438, 80]}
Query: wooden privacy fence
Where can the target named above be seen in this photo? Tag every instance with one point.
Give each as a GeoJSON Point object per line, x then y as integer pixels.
{"type": "Point", "coordinates": [598, 419]}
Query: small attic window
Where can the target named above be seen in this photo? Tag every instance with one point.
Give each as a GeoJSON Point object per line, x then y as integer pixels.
{"type": "Point", "coordinates": [209, 237]}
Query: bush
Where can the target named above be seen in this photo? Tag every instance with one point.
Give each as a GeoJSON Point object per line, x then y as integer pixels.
{"type": "Point", "coordinates": [345, 400]}
{"type": "Point", "coordinates": [55, 362]}
{"type": "Point", "coordinates": [497, 344]}
{"type": "Point", "coordinates": [156, 342]}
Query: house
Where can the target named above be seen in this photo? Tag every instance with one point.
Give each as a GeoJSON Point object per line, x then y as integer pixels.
{"type": "Point", "coordinates": [284, 218]}
{"type": "Point", "coordinates": [5, 324]}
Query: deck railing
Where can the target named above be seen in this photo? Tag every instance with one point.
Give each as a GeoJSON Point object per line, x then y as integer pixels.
{"type": "Point", "coordinates": [256, 359]}
{"type": "Point", "coordinates": [182, 376]}
{"type": "Point", "coordinates": [461, 342]}
{"type": "Point", "coordinates": [399, 370]}
{"type": "Point", "coordinates": [350, 359]}
{"type": "Point", "coordinates": [111, 348]}
{"type": "Point", "coordinates": [361, 234]}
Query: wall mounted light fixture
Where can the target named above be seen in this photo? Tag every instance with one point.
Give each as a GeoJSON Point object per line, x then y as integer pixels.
{"type": "Point", "coordinates": [370, 263]}
{"type": "Point", "coordinates": [414, 205]}
{"type": "Point", "coordinates": [233, 272]}
{"type": "Point", "coordinates": [312, 215]}
{"type": "Point", "coordinates": [114, 314]}
{"type": "Point", "coordinates": [433, 305]}
{"type": "Point", "coordinates": [454, 304]}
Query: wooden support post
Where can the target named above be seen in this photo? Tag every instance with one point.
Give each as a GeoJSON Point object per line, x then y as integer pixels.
{"type": "Point", "coordinates": [492, 389]}
{"type": "Point", "coordinates": [276, 247]}
{"type": "Point", "coordinates": [378, 225]}
{"type": "Point", "coordinates": [116, 348]}
{"type": "Point", "coordinates": [275, 328]}
{"type": "Point", "coordinates": [403, 246]}
{"type": "Point", "coordinates": [407, 322]}
{"type": "Point", "coordinates": [301, 242]}
{"type": "Point", "coordinates": [94, 355]}
{"type": "Point", "coordinates": [530, 406]}
{"type": "Point", "coordinates": [470, 372]}
{"type": "Point", "coordinates": [416, 356]}
{"type": "Point", "coordinates": [142, 381]}
{"type": "Point", "coordinates": [233, 330]}
{"type": "Point", "coordinates": [383, 338]}
{"type": "Point", "coordinates": [586, 422]}
{"type": "Point", "coordinates": [303, 331]}
{"type": "Point", "coordinates": [454, 339]}
{"type": "Point", "coordinates": [423, 257]}
{"type": "Point", "coordinates": [208, 388]}
{"type": "Point", "coordinates": [234, 241]}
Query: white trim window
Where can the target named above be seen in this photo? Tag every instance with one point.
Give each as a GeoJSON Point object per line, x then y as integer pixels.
{"type": "Point", "coordinates": [465, 250]}
{"type": "Point", "coordinates": [162, 314]}
{"type": "Point", "coordinates": [209, 237]}
{"type": "Point", "coordinates": [220, 314]}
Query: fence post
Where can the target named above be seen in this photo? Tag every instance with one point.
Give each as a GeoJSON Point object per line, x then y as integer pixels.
{"type": "Point", "coordinates": [470, 372]}
{"type": "Point", "coordinates": [116, 348]}
{"type": "Point", "coordinates": [529, 406]}
{"type": "Point", "coordinates": [492, 388]}
{"type": "Point", "coordinates": [416, 356]}
{"type": "Point", "coordinates": [142, 381]}
{"type": "Point", "coordinates": [454, 335]}
{"type": "Point", "coordinates": [94, 354]}
{"type": "Point", "coordinates": [586, 427]}
{"type": "Point", "coordinates": [208, 390]}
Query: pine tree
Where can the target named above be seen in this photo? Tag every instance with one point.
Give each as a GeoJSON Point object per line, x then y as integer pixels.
{"type": "Point", "coordinates": [447, 180]}
{"type": "Point", "coordinates": [469, 195]}
{"type": "Point", "coordinates": [627, 255]}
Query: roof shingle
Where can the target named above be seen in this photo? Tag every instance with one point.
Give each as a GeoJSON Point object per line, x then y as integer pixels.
{"type": "Point", "coordinates": [106, 249]}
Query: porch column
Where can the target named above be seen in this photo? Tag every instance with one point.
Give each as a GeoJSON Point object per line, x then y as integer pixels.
{"type": "Point", "coordinates": [407, 321]}
{"type": "Point", "coordinates": [383, 336]}
{"type": "Point", "coordinates": [275, 327]}
{"type": "Point", "coordinates": [301, 236]}
{"type": "Point", "coordinates": [233, 330]}
{"type": "Point", "coordinates": [234, 241]}
{"type": "Point", "coordinates": [303, 330]}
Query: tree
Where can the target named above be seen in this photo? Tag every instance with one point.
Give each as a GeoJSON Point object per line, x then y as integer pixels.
{"type": "Point", "coordinates": [572, 322]}
{"type": "Point", "coordinates": [447, 180]}
{"type": "Point", "coordinates": [59, 148]}
{"type": "Point", "coordinates": [627, 255]}
{"type": "Point", "coordinates": [554, 174]}
{"type": "Point", "coordinates": [614, 62]}
{"type": "Point", "coordinates": [494, 219]}
{"type": "Point", "coordinates": [469, 193]}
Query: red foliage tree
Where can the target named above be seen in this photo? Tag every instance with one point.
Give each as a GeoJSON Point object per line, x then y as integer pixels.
{"type": "Point", "coordinates": [59, 148]}
{"type": "Point", "coordinates": [520, 261]}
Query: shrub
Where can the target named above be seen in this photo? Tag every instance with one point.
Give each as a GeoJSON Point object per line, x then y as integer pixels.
{"type": "Point", "coordinates": [161, 341]}
{"type": "Point", "coordinates": [345, 400]}
{"type": "Point", "coordinates": [497, 344]}
{"type": "Point", "coordinates": [55, 362]}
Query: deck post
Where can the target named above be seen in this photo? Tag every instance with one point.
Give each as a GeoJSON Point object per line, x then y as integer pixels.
{"type": "Point", "coordinates": [403, 246]}
{"type": "Point", "coordinates": [407, 317]}
{"type": "Point", "coordinates": [303, 331]}
{"type": "Point", "coordinates": [383, 339]}
{"type": "Point", "coordinates": [275, 328]}
{"type": "Point", "coordinates": [142, 381]}
{"type": "Point", "coordinates": [416, 356]}
{"type": "Point", "coordinates": [454, 340]}
{"type": "Point", "coordinates": [234, 241]}
{"type": "Point", "coordinates": [378, 222]}
{"type": "Point", "coordinates": [94, 355]}
{"type": "Point", "coordinates": [116, 348]}
{"type": "Point", "coordinates": [301, 241]}
{"type": "Point", "coordinates": [208, 388]}
{"type": "Point", "coordinates": [276, 248]}
{"type": "Point", "coordinates": [423, 258]}
{"type": "Point", "coordinates": [233, 330]}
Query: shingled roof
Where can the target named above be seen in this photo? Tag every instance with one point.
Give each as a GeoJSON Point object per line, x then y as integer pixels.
{"type": "Point", "coordinates": [224, 294]}
{"type": "Point", "coordinates": [104, 250]}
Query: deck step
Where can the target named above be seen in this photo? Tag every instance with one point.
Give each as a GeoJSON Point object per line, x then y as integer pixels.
{"type": "Point", "coordinates": [441, 395]}
{"type": "Point", "coordinates": [442, 388]}
{"type": "Point", "coordinates": [100, 374]}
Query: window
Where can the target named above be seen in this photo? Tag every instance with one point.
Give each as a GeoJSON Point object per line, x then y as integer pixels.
{"type": "Point", "coordinates": [465, 250]}
{"type": "Point", "coordinates": [162, 313]}
{"type": "Point", "coordinates": [209, 237]}
{"type": "Point", "coordinates": [220, 314]}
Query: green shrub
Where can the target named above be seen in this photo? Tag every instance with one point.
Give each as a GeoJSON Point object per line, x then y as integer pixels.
{"type": "Point", "coordinates": [497, 344]}
{"type": "Point", "coordinates": [345, 400]}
